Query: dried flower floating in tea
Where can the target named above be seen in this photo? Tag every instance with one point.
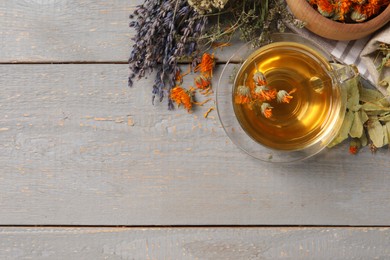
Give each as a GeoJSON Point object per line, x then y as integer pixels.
{"type": "Point", "coordinates": [257, 92]}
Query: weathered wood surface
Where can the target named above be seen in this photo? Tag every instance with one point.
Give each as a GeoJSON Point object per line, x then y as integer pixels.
{"type": "Point", "coordinates": [65, 30]}
{"type": "Point", "coordinates": [68, 31]}
{"type": "Point", "coordinates": [195, 243]}
{"type": "Point", "coordinates": [79, 147]}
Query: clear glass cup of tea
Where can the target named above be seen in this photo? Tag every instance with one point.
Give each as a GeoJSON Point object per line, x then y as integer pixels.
{"type": "Point", "coordinates": [282, 102]}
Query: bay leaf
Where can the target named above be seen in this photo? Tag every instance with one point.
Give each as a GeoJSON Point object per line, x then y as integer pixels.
{"type": "Point", "coordinates": [344, 130]}
{"type": "Point", "coordinates": [375, 131]}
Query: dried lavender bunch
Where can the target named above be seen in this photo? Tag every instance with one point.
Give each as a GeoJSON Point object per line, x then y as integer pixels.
{"type": "Point", "coordinates": [166, 30]}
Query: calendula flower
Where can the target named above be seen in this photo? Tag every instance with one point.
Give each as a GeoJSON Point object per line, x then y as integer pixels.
{"type": "Point", "coordinates": [202, 82]}
{"type": "Point", "coordinates": [354, 146]}
{"type": "Point", "coordinates": [343, 8]}
{"type": "Point", "coordinates": [182, 97]}
{"type": "Point", "coordinates": [243, 95]}
{"type": "Point", "coordinates": [370, 8]}
{"type": "Point", "coordinates": [284, 96]}
{"type": "Point", "coordinates": [266, 110]}
{"type": "Point", "coordinates": [259, 78]}
{"type": "Point", "coordinates": [360, 2]}
{"type": "Point", "coordinates": [325, 7]}
{"type": "Point", "coordinates": [206, 66]}
{"type": "Point", "coordinates": [264, 93]}
{"type": "Point", "coordinates": [358, 17]}
{"type": "Point", "coordinates": [353, 149]}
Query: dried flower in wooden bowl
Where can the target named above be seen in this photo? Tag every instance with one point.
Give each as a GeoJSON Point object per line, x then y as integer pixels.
{"type": "Point", "coordinates": [342, 19]}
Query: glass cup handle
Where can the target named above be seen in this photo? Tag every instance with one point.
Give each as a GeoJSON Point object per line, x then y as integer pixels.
{"type": "Point", "coordinates": [345, 72]}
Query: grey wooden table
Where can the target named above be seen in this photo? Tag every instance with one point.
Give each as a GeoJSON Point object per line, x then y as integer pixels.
{"type": "Point", "coordinates": [91, 170]}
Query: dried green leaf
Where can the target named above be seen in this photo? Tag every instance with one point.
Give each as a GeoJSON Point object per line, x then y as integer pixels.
{"type": "Point", "coordinates": [356, 130]}
{"type": "Point", "coordinates": [385, 135]}
{"type": "Point", "coordinates": [375, 131]}
{"type": "Point", "coordinates": [352, 87]}
{"type": "Point", "coordinates": [355, 108]}
{"type": "Point", "coordinates": [344, 130]}
{"type": "Point", "coordinates": [388, 129]}
{"type": "Point", "coordinates": [384, 117]}
{"type": "Point", "coordinates": [363, 139]}
{"type": "Point", "coordinates": [373, 96]}
{"type": "Point", "coordinates": [363, 116]}
{"type": "Point", "coordinates": [375, 108]}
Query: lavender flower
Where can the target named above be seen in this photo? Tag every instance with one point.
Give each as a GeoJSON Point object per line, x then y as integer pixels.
{"type": "Point", "coordinates": [166, 30]}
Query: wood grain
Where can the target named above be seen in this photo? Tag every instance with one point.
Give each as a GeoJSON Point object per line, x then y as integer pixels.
{"type": "Point", "coordinates": [79, 147]}
{"type": "Point", "coordinates": [195, 243]}
{"type": "Point", "coordinates": [69, 30]}
{"type": "Point", "coordinates": [46, 31]}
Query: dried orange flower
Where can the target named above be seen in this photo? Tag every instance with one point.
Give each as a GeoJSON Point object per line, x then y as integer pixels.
{"type": "Point", "coordinates": [202, 82]}
{"type": "Point", "coordinates": [353, 149]}
{"type": "Point", "coordinates": [264, 93]}
{"type": "Point", "coordinates": [365, 11]}
{"type": "Point", "coordinates": [354, 146]}
{"type": "Point", "coordinates": [325, 7]}
{"type": "Point", "coordinates": [206, 66]}
{"type": "Point", "coordinates": [179, 76]}
{"type": "Point", "coordinates": [259, 78]}
{"type": "Point", "coordinates": [243, 95]}
{"type": "Point", "coordinates": [266, 110]}
{"type": "Point", "coordinates": [182, 97]}
{"type": "Point", "coordinates": [343, 8]}
{"type": "Point", "coordinates": [284, 96]}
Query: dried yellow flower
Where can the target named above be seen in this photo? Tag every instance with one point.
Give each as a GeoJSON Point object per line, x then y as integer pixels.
{"type": "Point", "coordinates": [207, 6]}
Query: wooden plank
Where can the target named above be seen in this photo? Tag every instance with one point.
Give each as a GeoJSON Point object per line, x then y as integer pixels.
{"type": "Point", "coordinates": [79, 147]}
{"type": "Point", "coordinates": [68, 31]}
{"type": "Point", "coordinates": [194, 243]}
{"type": "Point", "coordinates": [74, 30]}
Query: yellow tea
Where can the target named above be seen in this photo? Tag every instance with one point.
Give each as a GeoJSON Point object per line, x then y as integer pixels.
{"type": "Point", "coordinates": [305, 118]}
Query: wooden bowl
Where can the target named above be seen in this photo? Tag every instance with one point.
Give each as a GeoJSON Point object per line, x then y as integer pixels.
{"type": "Point", "coordinates": [330, 29]}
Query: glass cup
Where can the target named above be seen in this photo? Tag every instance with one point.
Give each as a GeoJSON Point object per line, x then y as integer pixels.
{"type": "Point", "coordinates": [299, 126]}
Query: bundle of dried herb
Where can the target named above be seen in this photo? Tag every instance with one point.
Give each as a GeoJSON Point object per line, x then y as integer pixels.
{"type": "Point", "coordinates": [207, 6]}
{"type": "Point", "coordinates": [169, 30]}
{"type": "Point", "coordinates": [165, 31]}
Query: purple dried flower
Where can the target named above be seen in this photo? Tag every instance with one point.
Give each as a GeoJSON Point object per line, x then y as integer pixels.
{"type": "Point", "coordinates": [165, 31]}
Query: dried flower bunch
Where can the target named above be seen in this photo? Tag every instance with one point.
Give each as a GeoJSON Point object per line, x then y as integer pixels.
{"type": "Point", "coordinates": [207, 6]}
{"type": "Point", "coordinates": [168, 31]}
{"type": "Point", "coordinates": [257, 94]}
{"type": "Point", "coordinates": [349, 10]}
{"type": "Point", "coordinates": [165, 31]}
